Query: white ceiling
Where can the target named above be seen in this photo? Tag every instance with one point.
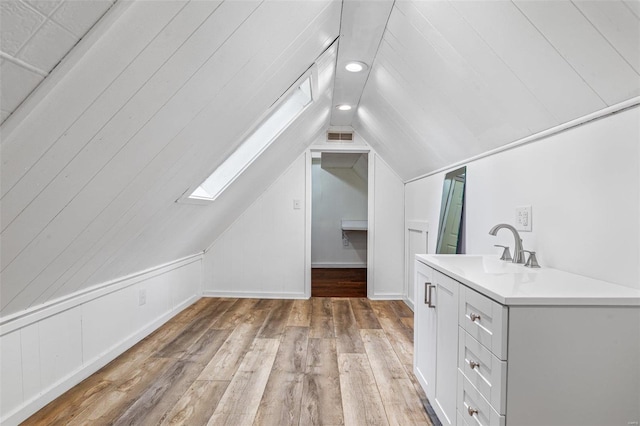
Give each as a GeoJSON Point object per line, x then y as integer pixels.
{"type": "Point", "coordinates": [94, 159]}
{"type": "Point", "coordinates": [362, 25]}
{"type": "Point", "coordinates": [36, 35]}
{"type": "Point", "coordinates": [453, 79]}
{"type": "Point", "coordinates": [168, 91]}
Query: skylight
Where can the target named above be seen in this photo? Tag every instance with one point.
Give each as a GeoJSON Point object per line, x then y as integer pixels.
{"type": "Point", "coordinates": [283, 115]}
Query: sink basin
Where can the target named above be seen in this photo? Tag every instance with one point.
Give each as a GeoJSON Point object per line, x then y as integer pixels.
{"type": "Point", "coordinates": [474, 264]}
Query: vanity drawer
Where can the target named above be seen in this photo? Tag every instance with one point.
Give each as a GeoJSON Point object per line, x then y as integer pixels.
{"type": "Point", "coordinates": [473, 409]}
{"type": "Point", "coordinates": [486, 372]}
{"type": "Point", "coordinates": [485, 320]}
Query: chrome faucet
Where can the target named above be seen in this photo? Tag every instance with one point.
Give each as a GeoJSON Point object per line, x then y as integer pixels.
{"type": "Point", "coordinates": [518, 252]}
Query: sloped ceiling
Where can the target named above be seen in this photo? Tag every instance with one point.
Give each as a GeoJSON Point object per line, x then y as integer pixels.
{"type": "Point", "coordinates": [453, 79]}
{"type": "Point", "coordinates": [91, 174]}
{"type": "Point", "coordinates": [94, 159]}
{"type": "Point", "coordinates": [36, 35]}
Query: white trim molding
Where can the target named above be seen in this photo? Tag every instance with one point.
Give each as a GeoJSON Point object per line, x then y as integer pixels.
{"type": "Point", "coordinates": [605, 112]}
{"type": "Point", "coordinates": [421, 226]}
{"type": "Point", "coordinates": [87, 333]}
{"type": "Point", "coordinates": [22, 319]}
{"type": "Point", "coordinates": [386, 296]}
{"type": "Point", "coordinates": [254, 294]}
{"type": "Point", "coordinates": [339, 265]}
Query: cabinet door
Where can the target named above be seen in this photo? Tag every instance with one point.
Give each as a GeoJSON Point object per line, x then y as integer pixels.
{"type": "Point", "coordinates": [424, 353]}
{"type": "Point", "coordinates": [446, 306]}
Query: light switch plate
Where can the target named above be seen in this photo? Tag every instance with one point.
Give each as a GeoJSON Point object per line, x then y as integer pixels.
{"type": "Point", "coordinates": [523, 218]}
{"type": "Point", "coordinates": [296, 204]}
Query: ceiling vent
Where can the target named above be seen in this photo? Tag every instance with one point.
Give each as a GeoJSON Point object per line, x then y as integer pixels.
{"type": "Point", "coordinates": [339, 136]}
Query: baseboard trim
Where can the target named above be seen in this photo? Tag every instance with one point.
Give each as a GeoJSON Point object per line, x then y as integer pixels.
{"type": "Point", "coordinates": [408, 302]}
{"type": "Point", "coordinates": [33, 405]}
{"type": "Point", "coordinates": [386, 296]}
{"type": "Point", "coordinates": [339, 265]}
{"type": "Point", "coordinates": [253, 294]}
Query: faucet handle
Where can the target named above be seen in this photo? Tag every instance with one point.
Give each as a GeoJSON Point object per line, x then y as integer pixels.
{"type": "Point", "coordinates": [506, 254]}
{"type": "Point", "coordinates": [532, 262]}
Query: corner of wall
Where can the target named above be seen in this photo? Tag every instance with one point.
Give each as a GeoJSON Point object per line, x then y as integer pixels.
{"type": "Point", "coordinates": [262, 254]}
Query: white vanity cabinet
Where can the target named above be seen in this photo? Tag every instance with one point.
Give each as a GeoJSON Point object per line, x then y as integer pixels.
{"type": "Point", "coordinates": [504, 345]}
{"type": "Point", "coordinates": [424, 365]}
{"type": "Point", "coordinates": [436, 339]}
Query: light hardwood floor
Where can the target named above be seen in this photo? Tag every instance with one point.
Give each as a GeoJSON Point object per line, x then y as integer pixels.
{"type": "Point", "coordinates": [238, 362]}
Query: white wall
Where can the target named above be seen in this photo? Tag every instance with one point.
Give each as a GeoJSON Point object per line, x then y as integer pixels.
{"type": "Point", "coordinates": [386, 271]}
{"type": "Point", "coordinates": [263, 253]}
{"type": "Point", "coordinates": [337, 193]}
{"type": "Point", "coordinates": [93, 162]}
{"type": "Point", "coordinates": [584, 188]}
{"type": "Point", "coordinates": [46, 351]}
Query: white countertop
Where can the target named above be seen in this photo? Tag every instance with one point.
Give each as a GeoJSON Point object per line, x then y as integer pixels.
{"type": "Point", "coordinates": [512, 284]}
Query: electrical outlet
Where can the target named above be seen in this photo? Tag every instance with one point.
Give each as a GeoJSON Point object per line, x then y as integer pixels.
{"type": "Point", "coordinates": [345, 241]}
{"type": "Point", "coordinates": [296, 204]}
{"type": "Point", "coordinates": [523, 218]}
{"type": "Point", "coordinates": [142, 296]}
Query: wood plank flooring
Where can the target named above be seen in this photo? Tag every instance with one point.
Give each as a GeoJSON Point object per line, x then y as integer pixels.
{"type": "Point", "coordinates": [339, 282]}
{"type": "Point", "coordinates": [240, 362]}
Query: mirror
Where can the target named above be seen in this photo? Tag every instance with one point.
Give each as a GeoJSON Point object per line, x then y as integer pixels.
{"type": "Point", "coordinates": [450, 231]}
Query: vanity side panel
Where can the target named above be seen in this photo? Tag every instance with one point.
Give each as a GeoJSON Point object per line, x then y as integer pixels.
{"type": "Point", "coordinates": [573, 365]}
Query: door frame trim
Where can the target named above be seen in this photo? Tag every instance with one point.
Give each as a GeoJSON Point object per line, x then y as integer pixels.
{"type": "Point", "coordinates": [370, 213]}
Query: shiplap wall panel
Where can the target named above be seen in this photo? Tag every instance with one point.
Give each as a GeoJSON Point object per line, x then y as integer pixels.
{"type": "Point", "coordinates": [109, 184]}
{"type": "Point", "coordinates": [99, 335]}
{"type": "Point", "coordinates": [456, 81]}
{"type": "Point", "coordinates": [176, 167]}
{"type": "Point", "coordinates": [31, 222]}
{"type": "Point", "coordinates": [634, 6]}
{"type": "Point", "coordinates": [532, 58]}
{"type": "Point", "coordinates": [221, 131]}
{"type": "Point", "coordinates": [176, 236]}
{"type": "Point", "coordinates": [31, 369]}
{"type": "Point", "coordinates": [603, 68]}
{"type": "Point", "coordinates": [118, 197]}
{"type": "Point", "coordinates": [79, 89]}
{"type": "Point", "coordinates": [433, 117]}
{"type": "Point", "coordinates": [495, 71]}
{"type": "Point", "coordinates": [413, 132]}
{"type": "Point", "coordinates": [91, 130]}
{"type": "Point", "coordinates": [505, 88]}
{"type": "Point", "coordinates": [434, 120]}
{"type": "Point", "coordinates": [76, 180]}
{"type": "Point", "coordinates": [618, 24]}
{"type": "Point", "coordinates": [11, 372]}
{"type": "Point", "coordinates": [62, 343]}
{"type": "Point", "coordinates": [60, 346]}
{"type": "Point", "coordinates": [381, 137]}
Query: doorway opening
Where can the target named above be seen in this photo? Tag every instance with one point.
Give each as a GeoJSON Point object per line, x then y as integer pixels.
{"type": "Point", "coordinates": [339, 211]}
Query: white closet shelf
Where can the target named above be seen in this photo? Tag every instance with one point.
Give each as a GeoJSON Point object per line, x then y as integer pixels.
{"type": "Point", "coordinates": [354, 225]}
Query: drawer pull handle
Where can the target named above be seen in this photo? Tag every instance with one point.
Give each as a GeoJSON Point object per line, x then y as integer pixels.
{"type": "Point", "coordinates": [429, 288]}
{"type": "Point", "coordinates": [474, 317]}
{"type": "Point", "coordinates": [427, 293]}
{"type": "Point", "coordinates": [473, 364]}
{"type": "Point", "coordinates": [472, 411]}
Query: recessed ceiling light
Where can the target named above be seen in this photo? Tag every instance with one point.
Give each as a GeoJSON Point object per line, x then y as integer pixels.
{"type": "Point", "coordinates": [355, 66]}
{"type": "Point", "coordinates": [344, 107]}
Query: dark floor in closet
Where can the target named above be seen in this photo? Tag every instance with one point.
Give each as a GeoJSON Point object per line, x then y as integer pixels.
{"type": "Point", "coordinates": [339, 282]}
